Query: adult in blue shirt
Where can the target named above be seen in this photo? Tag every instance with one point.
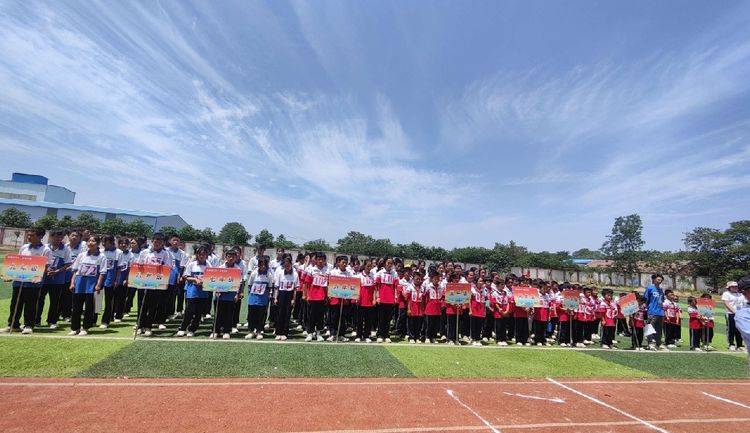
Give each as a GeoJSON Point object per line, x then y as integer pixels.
{"type": "Point", "coordinates": [655, 302]}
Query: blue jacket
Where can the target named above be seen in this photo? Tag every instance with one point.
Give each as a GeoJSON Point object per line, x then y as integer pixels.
{"type": "Point", "coordinates": [655, 300]}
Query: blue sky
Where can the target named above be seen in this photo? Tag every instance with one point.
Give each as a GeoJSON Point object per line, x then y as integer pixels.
{"type": "Point", "coordinates": [448, 123]}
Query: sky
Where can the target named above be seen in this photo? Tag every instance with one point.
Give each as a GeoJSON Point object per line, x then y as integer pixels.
{"type": "Point", "coordinates": [447, 123]}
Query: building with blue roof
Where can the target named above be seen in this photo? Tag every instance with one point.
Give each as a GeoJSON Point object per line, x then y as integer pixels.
{"type": "Point", "coordinates": [34, 195]}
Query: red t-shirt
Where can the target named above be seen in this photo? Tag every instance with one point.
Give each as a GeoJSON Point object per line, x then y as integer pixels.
{"type": "Point", "coordinates": [477, 303]}
{"type": "Point", "coordinates": [609, 312]}
{"type": "Point", "coordinates": [415, 301]}
{"type": "Point", "coordinates": [366, 290]}
{"type": "Point", "coordinates": [385, 283]}
{"type": "Point", "coordinates": [499, 304]}
{"type": "Point", "coordinates": [434, 300]}
{"type": "Point", "coordinates": [319, 284]}
{"type": "Point", "coordinates": [695, 322]}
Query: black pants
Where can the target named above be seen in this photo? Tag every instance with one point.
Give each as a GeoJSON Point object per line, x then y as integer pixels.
{"type": "Point", "coordinates": [450, 326]}
{"type": "Point", "coordinates": [82, 303]}
{"type": "Point", "coordinates": [283, 312]}
{"type": "Point", "coordinates": [733, 335]}
{"type": "Point", "coordinates": [608, 335]}
{"type": "Point", "coordinates": [192, 317]}
{"type": "Point", "coordinates": [636, 337]}
{"type": "Point", "coordinates": [522, 329]}
{"type": "Point", "coordinates": [55, 292]}
{"type": "Point", "coordinates": [297, 307]}
{"type": "Point", "coordinates": [590, 328]}
{"type": "Point", "coordinates": [66, 301]}
{"type": "Point", "coordinates": [433, 326]}
{"type": "Point", "coordinates": [540, 331]}
{"type": "Point", "coordinates": [364, 321]}
{"type": "Point", "coordinates": [415, 327]}
{"type": "Point", "coordinates": [129, 295]}
{"type": "Point", "coordinates": [552, 326]}
{"type": "Point", "coordinates": [338, 314]}
{"type": "Point", "coordinates": [658, 323]}
{"type": "Point", "coordinates": [695, 338]}
{"type": "Point", "coordinates": [385, 313]}
{"type": "Point", "coordinates": [401, 323]}
{"type": "Point", "coordinates": [577, 336]}
{"type": "Point", "coordinates": [109, 305]}
{"type": "Point", "coordinates": [149, 303]}
{"type": "Point", "coordinates": [464, 324]}
{"type": "Point", "coordinates": [670, 333]}
{"type": "Point", "coordinates": [315, 320]}
{"type": "Point", "coordinates": [489, 324]}
{"type": "Point", "coordinates": [256, 317]}
{"type": "Point", "coordinates": [501, 328]}
{"type": "Point", "coordinates": [180, 289]}
{"type": "Point", "coordinates": [236, 312]}
{"type": "Point", "coordinates": [477, 324]}
{"type": "Point", "coordinates": [40, 304]}
{"type": "Point", "coordinates": [622, 327]}
{"type": "Point", "coordinates": [563, 333]}
{"type": "Point", "coordinates": [27, 304]}
{"type": "Point", "coordinates": [223, 322]}
{"type": "Point", "coordinates": [164, 298]}
{"type": "Point", "coordinates": [120, 294]}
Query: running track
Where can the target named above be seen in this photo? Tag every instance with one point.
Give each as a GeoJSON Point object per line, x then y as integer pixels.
{"type": "Point", "coordinates": [373, 406]}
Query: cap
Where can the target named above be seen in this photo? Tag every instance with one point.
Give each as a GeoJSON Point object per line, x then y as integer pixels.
{"type": "Point", "coordinates": [731, 284]}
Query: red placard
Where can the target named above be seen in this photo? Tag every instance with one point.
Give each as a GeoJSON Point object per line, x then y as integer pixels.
{"type": "Point", "coordinates": [24, 269]}
{"type": "Point", "coordinates": [705, 306]}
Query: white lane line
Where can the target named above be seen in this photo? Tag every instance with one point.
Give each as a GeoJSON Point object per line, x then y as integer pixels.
{"type": "Point", "coordinates": [726, 400]}
{"type": "Point", "coordinates": [453, 395]}
{"type": "Point", "coordinates": [533, 397]}
{"type": "Point", "coordinates": [609, 406]}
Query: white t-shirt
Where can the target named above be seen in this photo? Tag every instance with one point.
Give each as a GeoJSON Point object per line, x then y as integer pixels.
{"type": "Point", "coordinates": [286, 282]}
{"type": "Point", "coordinates": [736, 300]}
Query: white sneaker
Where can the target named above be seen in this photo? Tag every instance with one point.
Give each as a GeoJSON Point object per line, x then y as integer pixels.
{"type": "Point", "coordinates": [283, 338]}
{"type": "Point", "coordinates": [308, 338]}
{"type": "Point", "coordinates": [5, 330]}
{"type": "Point", "coordinates": [83, 333]}
{"type": "Point", "coordinates": [277, 338]}
{"type": "Point", "coordinates": [180, 334]}
{"type": "Point", "coordinates": [357, 340]}
{"type": "Point", "coordinates": [190, 334]}
{"type": "Point", "coordinates": [387, 340]}
{"type": "Point", "coordinates": [53, 326]}
{"type": "Point", "coordinates": [208, 316]}
{"type": "Point", "coordinates": [212, 336]}
{"type": "Point", "coordinates": [732, 348]}
{"type": "Point", "coordinates": [580, 345]}
{"type": "Point", "coordinates": [320, 338]}
{"type": "Point", "coordinates": [527, 344]}
{"type": "Point", "coordinates": [27, 330]}
{"type": "Point", "coordinates": [368, 340]}
{"type": "Point", "coordinates": [327, 334]}
{"type": "Point", "coordinates": [412, 342]}
{"type": "Point", "coordinates": [419, 341]}
{"type": "Point", "coordinates": [539, 344]}
{"type": "Point", "coordinates": [604, 346]}
{"type": "Point", "coordinates": [118, 320]}
{"type": "Point", "coordinates": [476, 343]}
{"type": "Point", "coordinates": [664, 349]}
{"type": "Point", "coordinates": [148, 333]}
{"type": "Point", "coordinates": [225, 336]}
{"type": "Point", "coordinates": [563, 345]}
{"type": "Point", "coordinates": [162, 327]}
{"type": "Point", "coordinates": [698, 349]}
{"type": "Point", "coordinates": [259, 336]}
{"type": "Point", "coordinates": [671, 346]}
{"type": "Point", "coordinates": [379, 340]}
{"type": "Point", "coordinates": [103, 326]}
{"type": "Point", "coordinates": [503, 343]}
{"type": "Point", "coordinates": [250, 336]}
{"type": "Point", "coordinates": [299, 327]}
{"type": "Point", "coordinates": [331, 338]}
{"type": "Point", "coordinates": [304, 333]}
{"type": "Point", "coordinates": [71, 333]}
{"type": "Point", "coordinates": [126, 315]}
{"type": "Point", "coordinates": [266, 327]}
{"type": "Point", "coordinates": [519, 344]}
{"type": "Point", "coordinates": [235, 330]}
{"type": "Point", "coordinates": [451, 343]}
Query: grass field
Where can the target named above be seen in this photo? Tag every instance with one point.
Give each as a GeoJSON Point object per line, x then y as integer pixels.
{"type": "Point", "coordinates": [113, 353]}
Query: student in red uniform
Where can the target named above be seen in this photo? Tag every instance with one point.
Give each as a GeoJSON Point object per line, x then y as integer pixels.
{"type": "Point", "coordinates": [476, 307]}
{"type": "Point", "coordinates": [637, 323]}
{"type": "Point", "coordinates": [339, 308]}
{"type": "Point", "coordinates": [608, 309]}
{"type": "Point", "coordinates": [520, 323]}
{"type": "Point", "coordinates": [499, 301]}
{"type": "Point", "coordinates": [316, 295]}
{"type": "Point", "coordinates": [579, 320]}
{"type": "Point", "coordinates": [404, 279]}
{"type": "Point", "coordinates": [452, 312]}
{"type": "Point", "coordinates": [671, 319]}
{"type": "Point", "coordinates": [694, 324]}
{"type": "Point", "coordinates": [541, 315]}
{"type": "Point", "coordinates": [433, 306]}
{"type": "Point", "coordinates": [415, 307]}
{"type": "Point", "coordinates": [386, 281]}
{"type": "Point", "coordinates": [564, 317]}
{"type": "Point", "coordinates": [365, 310]}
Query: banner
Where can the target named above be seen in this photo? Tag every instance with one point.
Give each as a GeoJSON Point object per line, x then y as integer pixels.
{"type": "Point", "coordinates": [149, 277]}
{"type": "Point", "coordinates": [222, 279]}
{"type": "Point", "coordinates": [705, 307]}
{"type": "Point", "coordinates": [571, 299]}
{"type": "Point", "coordinates": [457, 293]}
{"type": "Point", "coordinates": [628, 304]}
{"type": "Point", "coordinates": [24, 269]}
{"type": "Point", "coordinates": [343, 287]}
{"type": "Point", "coordinates": [527, 297]}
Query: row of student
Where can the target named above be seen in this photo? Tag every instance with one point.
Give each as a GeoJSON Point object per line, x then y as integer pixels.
{"type": "Point", "coordinates": [387, 288]}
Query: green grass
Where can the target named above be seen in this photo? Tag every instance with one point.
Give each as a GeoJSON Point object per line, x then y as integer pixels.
{"type": "Point", "coordinates": [26, 357]}
{"type": "Point", "coordinates": [221, 359]}
{"type": "Point", "coordinates": [680, 365]}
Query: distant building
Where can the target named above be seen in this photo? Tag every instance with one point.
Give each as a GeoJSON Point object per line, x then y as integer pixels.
{"type": "Point", "coordinates": [32, 194]}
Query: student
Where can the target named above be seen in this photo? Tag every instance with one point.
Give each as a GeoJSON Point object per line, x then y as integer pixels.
{"type": "Point", "coordinates": [404, 279]}
{"type": "Point", "coordinates": [169, 298]}
{"type": "Point", "coordinates": [733, 301]}
{"type": "Point", "coordinates": [299, 311]}
{"type": "Point", "coordinates": [541, 316]}
{"type": "Point", "coordinates": [637, 323]}
{"type": "Point", "coordinates": [54, 280]}
{"type": "Point", "coordinates": [287, 282]}
{"type": "Point", "coordinates": [89, 273]}
{"type": "Point", "coordinates": [671, 319]}
{"type": "Point", "coordinates": [238, 301]}
{"type": "Point", "coordinates": [500, 304]}
{"type": "Point", "coordinates": [477, 310]}
{"type": "Point", "coordinates": [521, 323]}
{"type": "Point", "coordinates": [156, 255]}
{"type": "Point", "coordinates": [608, 308]}
{"type": "Point", "coordinates": [113, 257]}
{"type": "Point", "coordinates": [434, 302]}
{"type": "Point", "coordinates": [29, 292]}
{"type": "Point", "coordinates": [655, 300]}
{"type": "Point", "coordinates": [452, 312]}
{"type": "Point", "coordinates": [386, 280]}
{"type": "Point", "coordinates": [365, 310]}
{"type": "Point", "coordinates": [338, 308]}
{"type": "Point", "coordinates": [121, 281]}
{"type": "Point", "coordinates": [564, 317]}
{"type": "Point", "coordinates": [135, 252]}
{"type": "Point", "coordinates": [694, 325]}
{"type": "Point", "coordinates": [194, 294]}
{"type": "Point", "coordinates": [259, 291]}
{"type": "Point", "coordinates": [225, 301]}
{"type": "Point", "coordinates": [708, 327]}
{"type": "Point", "coordinates": [74, 245]}
{"type": "Point", "coordinates": [622, 323]}
{"type": "Point", "coordinates": [260, 252]}
{"type": "Point", "coordinates": [415, 309]}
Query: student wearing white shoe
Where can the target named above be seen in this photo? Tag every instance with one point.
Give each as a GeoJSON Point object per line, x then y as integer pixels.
{"type": "Point", "coordinates": [316, 295]}
{"type": "Point", "coordinates": [89, 271]}
{"type": "Point", "coordinates": [194, 294]}
{"type": "Point", "coordinates": [287, 282]}
{"type": "Point", "coordinates": [225, 301]}
{"type": "Point", "coordinates": [113, 256]}
{"type": "Point", "coordinates": [54, 280]}
{"type": "Point", "coordinates": [259, 291]}
{"type": "Point", "coordinates": [733, 301]}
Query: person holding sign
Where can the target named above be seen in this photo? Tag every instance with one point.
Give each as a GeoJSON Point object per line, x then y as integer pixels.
{"type": "Point", "coordinates": [225, 301]}
{"type": "Point", "coordinates": [25, 295]}
{"type": "Point", "coordinates": [259, 292]}
{"type": "Point", "coordinates": [637, 324]}
{"type": "Point", "coordinates": [287, 282]}
{"type": "Point", "coordinates": [609, 310]}
{"type": "Point", "coordinates": [194, 294]}
{"type": "Point", "coordinates": [339, 308]}
{"type": "Point", "coordinates": [386, 280]}
{"type": "Point", "coordinates": [156, 255]}
{"type": "Point", "coordinates": [89, 271]}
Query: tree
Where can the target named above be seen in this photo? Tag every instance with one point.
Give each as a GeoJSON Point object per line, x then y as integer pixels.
{"type": "Point", "coordinates": [624, 244]}
{"type": "Point", "coordinates": [13, 217]}
{"type": "Point", "coordinates": [188, 233]}
{"type": "Point", "coordinates": [65, 222]}
{"type": "Point", "coordinates": [88, 221]}
{"type": "Point", "coordinates": [234, 233]}
{"type": "Point", "coordinates": [114, 226]}
{"type": "Point", "coordinates": [585, 253]}
{"type": "Point", "coordinates": [264, 239]}
{"type": "Point", "coordinates": [138, 228]}
{"type": "Point", "coordinates": [282, 242]}
{"type": "Point", "coordinates": [168, 231]}
{"type": "Point", "coordinates": [355, 243]}
{"type": "Point", "coordinates": [47, 222]}
{"type": "Point", "coordinates": [206, 235]}
{"type": "Point", "coordinates": [316, 245]}
{"type": "Point", "coordinates": [720, 255]}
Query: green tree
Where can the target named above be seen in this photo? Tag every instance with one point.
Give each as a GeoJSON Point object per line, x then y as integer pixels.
{"type": "Point", "coordinates": [264, 238]}
{"type": "Point", "coordinates": [355, 243]}
{"type": "Point", "coordinates": [188, 233]}
{"type": "Point", "coordinates": [168, 231]}
{"type": "Point", "coordinates": [47, 222]}
{"type": "Point", "coordinates": [138, 228]}
{"type": "Point", "coordinates": [624, 244]}
{"type": "Point", "coordinates": [88, 221]}
{"type": "Point", "coordinates": [316, 245]}
{"type": "Point", "coordinates": [206, 235]}
{"type": "Point", "coordinates": [282, 242]}
{"type": "Point", "coordinates": [720, 255]}
{"type": "Point", "coordinates": [65, 222]}
{"type": "Point", "coordinates": [234, 233]}
{"type": "Point", "coordinates": [585, 253]}
{"type": "Point", "coordinates": [114, 226]}
{"type": "Point", "coordinates": [13, 217]}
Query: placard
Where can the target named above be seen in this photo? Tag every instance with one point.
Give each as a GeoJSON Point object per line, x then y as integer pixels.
{"type": "Point", "coordinates": [343, 287]}
{"type": "Point", "coordinates": [457, 293]}
{"type": "Point", "coordinates": [705, 307]}
{"type": "Point", "coordinates": [222, 279]}
{"type": "Point", "coordinates": [628, 304]}
{"type": "Point", "coordinates": [24, 269]}
{"type": "Point", "coordinates": [571, 299]}
{"type": "Point", "coordinates": [527, 297]}
{"type": "Point", "coordinates": [149, 277]}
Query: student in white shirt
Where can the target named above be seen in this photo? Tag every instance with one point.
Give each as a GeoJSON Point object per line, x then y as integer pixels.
{"type": "Point", "coordinates": [66, 298]}
{"type": "Point", "coordinates": [734, 301]}
{"type": "Point", "coordinates": [54, 280]}
{"type": "Point", "coordinates": [286, 284]}
{"type": "Point", "coordinates": [25, 296]}
{"type": "Point", "coordinates": [89, 272]}
{"type": "Point", "coordinates": [113, 257]}
{"type": "Point", "coordinates": [156, 255]}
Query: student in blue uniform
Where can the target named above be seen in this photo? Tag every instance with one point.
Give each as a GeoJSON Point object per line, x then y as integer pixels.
{"type": "Point", "coordinates": [259, 289]}
{"type": "Point", "coordinates": [194, 294]}
{"type": "Point", "coordinates": [156, 255]}
{"type": "Point", "coordinates": [75, 245]}
{"type": "Point", "coordinates": [167, 303]}
{"type": "Point", "coordinates": [89, 272]}
{"type": "Point", "coordinates": [226, 300]}
{"type": "Point", "coordinates": [123, 269]}
{"type": "Point", "coordinates": [54, 280]}
{"type": "Point", "coordinates": [113, 257]}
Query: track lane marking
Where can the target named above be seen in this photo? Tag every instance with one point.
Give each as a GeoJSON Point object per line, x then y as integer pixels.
{"type": "Point", "coordinates": [726, 400]}
{"type": "Point", "coordinates": [484, 421]}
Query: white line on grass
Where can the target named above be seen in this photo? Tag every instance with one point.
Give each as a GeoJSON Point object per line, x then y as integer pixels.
{"type": "Point", "coordinates": [609, 406]}
{"type": "Point", "coordinates": [726, 400]}
{"type": "Point", "coordinates": [453, 395]}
